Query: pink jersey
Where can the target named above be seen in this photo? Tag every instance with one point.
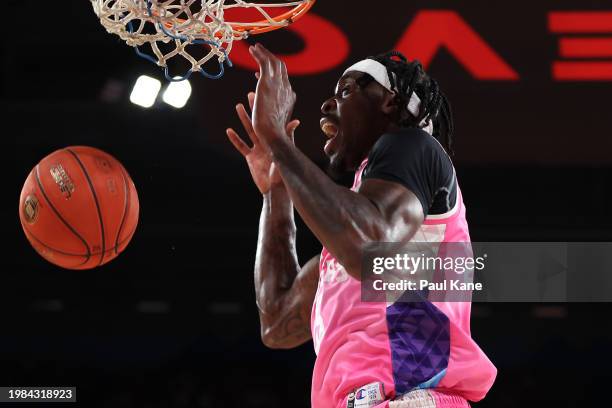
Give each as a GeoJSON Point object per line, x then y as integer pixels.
{"type": "Point", "coordinates": [404, 346]}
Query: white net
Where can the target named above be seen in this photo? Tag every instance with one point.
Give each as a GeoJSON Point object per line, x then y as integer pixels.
{"type": "Point", "coordinates": [169, 27]}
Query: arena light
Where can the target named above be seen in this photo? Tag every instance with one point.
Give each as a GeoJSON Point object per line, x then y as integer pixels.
{"type": "Point", "coordinates": [145, 91]}
{"type": "Point", "coordinates": [177, 94]}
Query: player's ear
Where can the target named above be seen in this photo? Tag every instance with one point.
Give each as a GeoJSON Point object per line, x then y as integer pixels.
{"type": "Point", "coordinates": [390, 103]}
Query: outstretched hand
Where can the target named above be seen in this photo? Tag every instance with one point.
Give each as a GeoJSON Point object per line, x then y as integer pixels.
{"type": "Point", "coordinates": [274, 97]}
{"type": "Point", "coordinates": [264, 172]}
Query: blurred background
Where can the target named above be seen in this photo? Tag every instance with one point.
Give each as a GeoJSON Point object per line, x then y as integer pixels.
{"type": "Point", "coordinates": [172, 322]}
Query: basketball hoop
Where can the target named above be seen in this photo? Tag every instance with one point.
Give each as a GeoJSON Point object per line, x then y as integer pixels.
{"type": "Point", "coordinates": [170, 26]}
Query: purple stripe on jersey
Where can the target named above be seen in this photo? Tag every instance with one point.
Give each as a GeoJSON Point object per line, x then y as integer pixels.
{"type": "Point", "coordinates": [419, 336]}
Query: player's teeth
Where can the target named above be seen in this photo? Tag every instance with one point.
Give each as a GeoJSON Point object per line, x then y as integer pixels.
{"type": "Point", "coordinates": [329, 130]}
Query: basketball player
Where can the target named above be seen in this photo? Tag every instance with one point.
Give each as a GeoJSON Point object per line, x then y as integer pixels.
{"type": "Point", "coordinates": [390, 123]}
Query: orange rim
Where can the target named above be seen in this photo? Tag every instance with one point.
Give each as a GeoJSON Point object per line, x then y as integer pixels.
{"type": "Point", "coordinates": [262, 26]}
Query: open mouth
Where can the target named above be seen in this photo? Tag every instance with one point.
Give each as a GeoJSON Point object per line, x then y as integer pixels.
{"type": "Point", "coordinates": [331, 131]}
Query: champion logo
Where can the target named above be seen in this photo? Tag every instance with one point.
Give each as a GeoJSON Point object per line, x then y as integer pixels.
{"type": "Point", "coordinates": [367, 396]}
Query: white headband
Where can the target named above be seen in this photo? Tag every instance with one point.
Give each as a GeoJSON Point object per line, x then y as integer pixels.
{"type": "Point", "coordinates": [379, 72]}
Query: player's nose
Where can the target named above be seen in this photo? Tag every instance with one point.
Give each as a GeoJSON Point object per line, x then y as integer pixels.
{"type": "Point", "coordinates": [329, 106]}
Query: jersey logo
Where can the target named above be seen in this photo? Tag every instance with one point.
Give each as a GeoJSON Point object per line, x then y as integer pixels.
{"type": "Point", "coordinates": [367, 396]}
{"type": "Point", "coordinates": [333, 272]}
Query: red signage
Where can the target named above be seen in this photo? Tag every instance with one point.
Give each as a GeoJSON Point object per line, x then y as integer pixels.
{"type": "Point", "coordinates": [327, 47]}
{"type": "Point", "coordinates": [581, 23]}
{"type": "Point", "coordinates": [432, 30]}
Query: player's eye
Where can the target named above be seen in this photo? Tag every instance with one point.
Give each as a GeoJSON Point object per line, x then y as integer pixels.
{"type": "Point", "coordinates": [344, 92]}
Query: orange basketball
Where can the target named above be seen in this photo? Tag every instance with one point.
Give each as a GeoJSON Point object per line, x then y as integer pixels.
{"type": "Point", "coordinates": [79, 207]}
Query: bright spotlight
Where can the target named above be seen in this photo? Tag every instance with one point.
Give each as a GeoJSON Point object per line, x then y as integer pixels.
{"type": "Point", "coordinates": [145, 91]}
{"type": "Point", "coordinates": [177, 93]}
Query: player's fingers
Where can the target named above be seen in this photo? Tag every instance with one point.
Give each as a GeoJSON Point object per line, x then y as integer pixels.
{"type": "Point", "coordinates": [291, 101]}
{"type": "Point", "coordinates": [243, 115]}
{"type": "Point", "coordinates": [267, 53]}
{"type": "Point", "coordinates": [237, 142]}
{"type": "Point", "coordinates": [273, 63]}
{"type": "Point", "coordinates": [291, 126]}
{"type": "Point", "coordinates": [283, 70]}
{"type": "Point", "coordinates": [245, 119]}
{"type": "Point", "coordinates": [276, 64]}
{"type": "Point", "coordinates": [261, 59]}
{"type": "Point", "coordinates": [251, 98]}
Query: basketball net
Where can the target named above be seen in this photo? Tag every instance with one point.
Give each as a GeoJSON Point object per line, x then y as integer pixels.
{"type": "Point", "coordinates": [170, 26]}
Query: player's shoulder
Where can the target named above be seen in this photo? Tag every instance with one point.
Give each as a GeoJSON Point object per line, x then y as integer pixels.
{"type": "Point", "coordinates": [407, 140]}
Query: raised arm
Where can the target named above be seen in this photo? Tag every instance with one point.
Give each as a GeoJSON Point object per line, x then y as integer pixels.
{"type": "Point", "coordinates": [284, 291]}
{"type": "Point", "coordinates": [380, 211]}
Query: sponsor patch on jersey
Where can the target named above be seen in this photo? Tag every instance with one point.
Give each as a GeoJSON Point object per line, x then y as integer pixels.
{"type": "Point", "coordinates": [366, 396]}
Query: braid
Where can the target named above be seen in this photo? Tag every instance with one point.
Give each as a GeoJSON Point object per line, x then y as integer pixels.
{"type": "Point", "coordinates": [447, 121]}
{"type": "Point", "coordinates": [410, 77]}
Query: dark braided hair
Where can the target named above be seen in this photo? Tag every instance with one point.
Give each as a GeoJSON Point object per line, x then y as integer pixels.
{"type": "Point", "coordinates": [408, 77]}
